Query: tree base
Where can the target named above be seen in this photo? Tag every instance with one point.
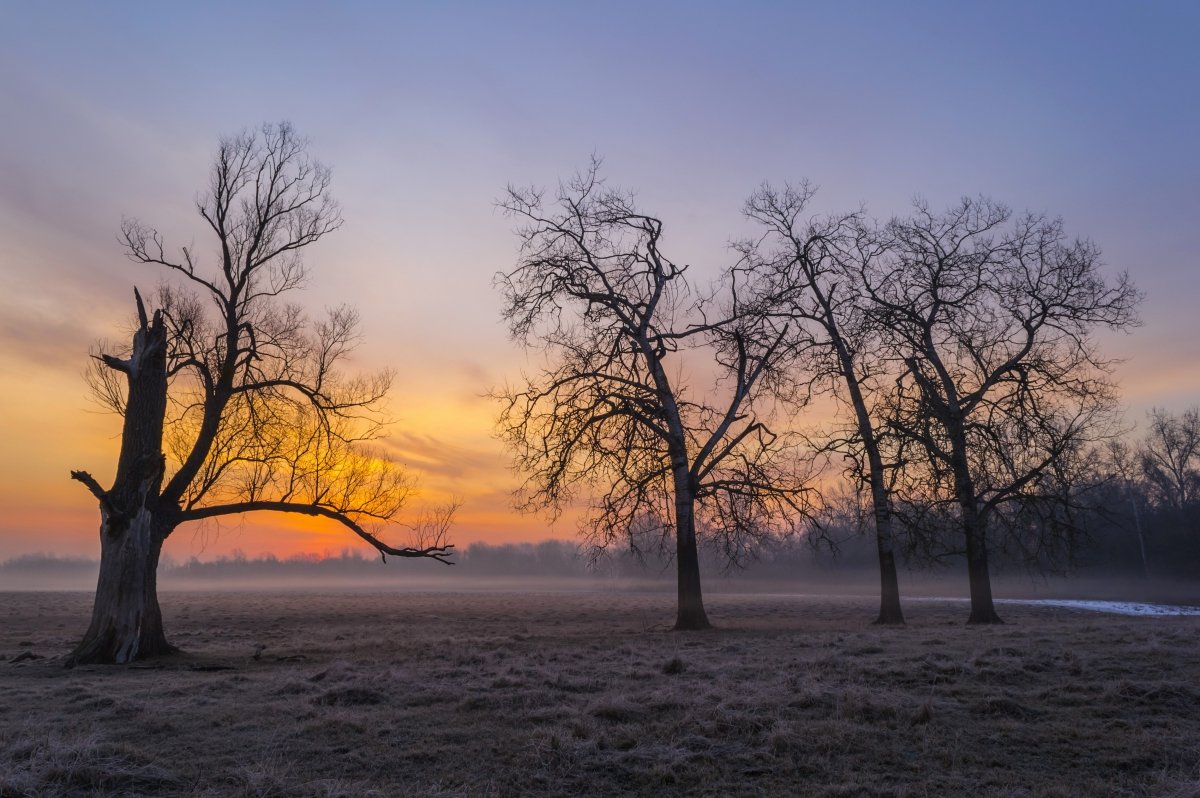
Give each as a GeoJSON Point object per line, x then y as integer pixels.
{"type": "Point", "coordinates": [890, 613]}
{"type": "Point", "coordinates": [984, 618]}
{"type": "Point", "coordinates": [692, 624]}
{"type": "Point", "coordinates": [109, 652]}
{"type": "Point", "coordinates": [690, 615]}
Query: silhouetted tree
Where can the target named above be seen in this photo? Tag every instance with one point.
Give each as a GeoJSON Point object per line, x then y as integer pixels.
{"type": "Point", "coordinates": [1170, 458]}
{"type": "Point", "coordinates": [611, 413]}
{"type": "Point", "coordinates": [814, 267]}
{"type": "Point", "coordinates": [1118, 462]}
{"type": "Point", "coordinates": [992, 316]}
{"type": "Point", "coordinates": [232, 400]}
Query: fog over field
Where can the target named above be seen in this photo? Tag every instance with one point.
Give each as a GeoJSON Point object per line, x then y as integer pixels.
{"type": "Point", "coordinates": [562, 565]}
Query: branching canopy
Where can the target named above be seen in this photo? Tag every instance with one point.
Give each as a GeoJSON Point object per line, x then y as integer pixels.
{"type": "Point", "coordinates": [610, 417]}
{"type": "Point", "coordinates": [993, 316]}
{"type": "Point", "coordinates": [261, 414]}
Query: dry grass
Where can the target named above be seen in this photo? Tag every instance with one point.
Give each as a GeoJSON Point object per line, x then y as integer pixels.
{"type": "Point", "coordinates": [439, 694]}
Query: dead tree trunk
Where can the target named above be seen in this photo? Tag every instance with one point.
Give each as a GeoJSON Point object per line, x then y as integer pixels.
{"type": "Point", "coordinates": [126, 620]}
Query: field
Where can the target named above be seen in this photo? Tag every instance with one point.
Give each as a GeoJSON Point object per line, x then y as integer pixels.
{"type": "Point", "coordinates": [575, 693]}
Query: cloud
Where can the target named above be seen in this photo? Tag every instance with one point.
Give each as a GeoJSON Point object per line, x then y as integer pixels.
{"type": "Point", "coordinates": [437, 457]}
{"type": "Point", "coordinates": [53, 341]}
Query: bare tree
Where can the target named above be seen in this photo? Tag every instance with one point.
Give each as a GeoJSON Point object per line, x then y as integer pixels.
{"type": "Point", "coordinates": [1170, 457]}
{"type": "Point", "coordinates": [814, 266]}
{"type": "Point", "coordinates": [611, 417]}
{"type": "Point", "coordinates": [992, 316]}
{"type": "Point", "coordinates": [1120, 464]}
{"type": "Point", "coordinates": [233, 401]}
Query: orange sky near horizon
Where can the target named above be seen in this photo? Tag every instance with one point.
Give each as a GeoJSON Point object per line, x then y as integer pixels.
{"type": "Point", "coordinates": [444, 441]}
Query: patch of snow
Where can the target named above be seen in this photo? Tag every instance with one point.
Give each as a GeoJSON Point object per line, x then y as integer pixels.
{"type": "Point", "coordinates": [1114, 607]}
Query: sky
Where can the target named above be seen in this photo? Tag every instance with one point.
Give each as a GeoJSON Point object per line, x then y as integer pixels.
{"type": "Point", "coordinates": [426, 111]}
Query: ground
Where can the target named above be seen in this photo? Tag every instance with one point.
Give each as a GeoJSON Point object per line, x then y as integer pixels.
{"type": "Point", "coordinates": [575, 693]}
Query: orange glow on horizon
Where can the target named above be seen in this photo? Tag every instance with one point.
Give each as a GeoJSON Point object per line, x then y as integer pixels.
{"type": "Point", "coordinates": [445, 442]}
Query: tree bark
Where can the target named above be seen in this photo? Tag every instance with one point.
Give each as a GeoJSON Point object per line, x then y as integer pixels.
{"type": "Point", "coordinates": [983, 609]}
{"type": "Point", "coordinates": [889, 584]}
{"type": "Point", "coordinates": [890, 613]}
{"type": "Point", "coordinates": [690, 615]}
{"type": "Point", "coordinates": [126, 619]}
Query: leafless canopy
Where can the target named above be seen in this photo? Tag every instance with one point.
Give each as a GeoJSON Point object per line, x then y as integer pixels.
{"type": "Point", "coordinates": [262, 415]}
{"type": "Point", "coordinates": [1003, 387]}
{"type": "Point", "coordinates": [813, 264]}
{"type": "Point", "coordinates": [610, 417]}
{"type": "Point", "coordinates": [1170, 457]}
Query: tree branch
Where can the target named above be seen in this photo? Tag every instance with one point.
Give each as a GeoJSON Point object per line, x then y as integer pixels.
{"type": "Point", "coordinates": [100, 493]}
{"type": "Point", "coordinates": [439, 553]}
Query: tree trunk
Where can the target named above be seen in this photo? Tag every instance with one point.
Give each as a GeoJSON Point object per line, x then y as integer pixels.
{"type": "Point", "coordinates": [889, 588]}
{"type": "Point", "coordinates": [126, 620]}
{"type": "Point", "coordinates": [1137, 522]}
{"type": "Point", "coordinates": [974, 524]}
{"type": "Point", "coordinates": [889, 585]}
{"type": "Point", "coordinates": [983, 609]}
{"type": "Point", "coordinates": [691, 613]}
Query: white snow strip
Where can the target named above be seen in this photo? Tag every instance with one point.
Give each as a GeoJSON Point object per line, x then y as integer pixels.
{"type": "Point", "coordinates": [1114, 607]}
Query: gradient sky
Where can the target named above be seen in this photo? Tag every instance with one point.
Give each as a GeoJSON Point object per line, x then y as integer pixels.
{"type": "Point", "coordinates": [426, 111]}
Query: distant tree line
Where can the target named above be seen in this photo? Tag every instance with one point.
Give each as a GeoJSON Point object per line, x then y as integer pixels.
{"type": "Point", "coordinates": [1144, 519]}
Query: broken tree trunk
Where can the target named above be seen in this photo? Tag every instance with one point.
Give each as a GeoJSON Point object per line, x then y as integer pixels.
{"type": "Point", "coordinates": [126, 620]}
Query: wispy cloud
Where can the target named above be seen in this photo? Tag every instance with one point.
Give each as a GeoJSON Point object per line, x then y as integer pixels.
{"type": "Point", "coordinates": [37, 337]}
{"type": "Point", "coordinates": [437, 457]}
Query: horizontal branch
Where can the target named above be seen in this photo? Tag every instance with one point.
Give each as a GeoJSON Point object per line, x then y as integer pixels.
{"type": "Point", "coordinates": [439, 553]}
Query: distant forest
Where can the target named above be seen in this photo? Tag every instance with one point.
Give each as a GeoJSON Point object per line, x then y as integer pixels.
{"type": "Point", "coordinates": [840, 549]}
